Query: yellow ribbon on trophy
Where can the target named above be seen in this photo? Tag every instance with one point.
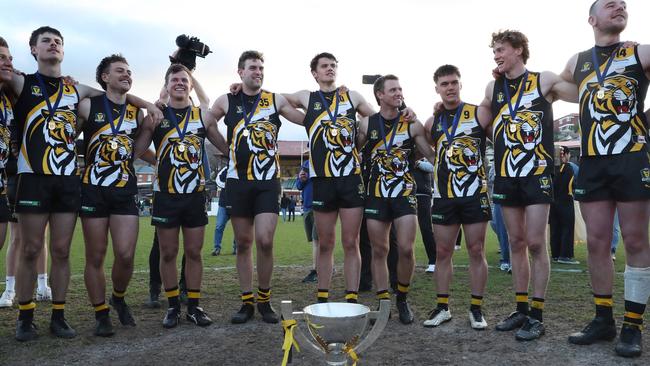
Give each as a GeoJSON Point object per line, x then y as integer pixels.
{"type": "Point", "coordinates": [289, 341]}
{"type": "Point", "coordinates": [353, 355]}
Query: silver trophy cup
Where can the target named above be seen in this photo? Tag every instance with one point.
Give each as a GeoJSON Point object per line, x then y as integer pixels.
{"type": "Point", "coordinates": [337, 329]}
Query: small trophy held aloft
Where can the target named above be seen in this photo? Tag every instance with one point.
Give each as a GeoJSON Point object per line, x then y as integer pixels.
{"type": "Point", "coordinates": [336, 329]}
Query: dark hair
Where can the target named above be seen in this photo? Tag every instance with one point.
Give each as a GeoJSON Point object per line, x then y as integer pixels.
{"type": "Point", "coordinates": [516, 40]}
{"type": "Point", "coordinates": [44, 29]}
{"type": "Point", "coordinates": [174, 68]}
{"type": "Point", "coordinates": [379, 84]}
{"type": "Point", "coordinates": [3, 43]}
{"type": "Point", "coordinates": [565, 149]}
{"type": "Point", "coordinates": [445, 70]}
{"type": "Point", "coordinates": [249, 55]}
{"type": "Point", "coordinates": [104, 66]}
{"type": "Point", "coordinates": [314, 61]}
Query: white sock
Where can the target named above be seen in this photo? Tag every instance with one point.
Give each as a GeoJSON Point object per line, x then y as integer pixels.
{"type": "Point", "coordinates": [637, 284]}
{"type": "Point", "coordinates": [42, 281]}
{"type": "Point", "coordinates": [11, 284]}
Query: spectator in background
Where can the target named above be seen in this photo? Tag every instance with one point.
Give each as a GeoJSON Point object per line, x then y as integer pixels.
{"type": "Point", "coordinates": [305, 185]}
{"type": "Point", "coordinates": [499, 227]}
{"type": "Point", "coordinates": [292, 208]}
{"type": "Point", "coordinates": [422, 176]}
{"type": "Point", "coordinates": [284, 205]}
{"type": "Point", "coordinates": [222, 214]}
{"type": "Point", "coordinates": [562, 214]}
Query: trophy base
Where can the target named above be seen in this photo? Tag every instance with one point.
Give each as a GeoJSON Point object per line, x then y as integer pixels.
{"type": "Point", "coordinates": [335, 355]}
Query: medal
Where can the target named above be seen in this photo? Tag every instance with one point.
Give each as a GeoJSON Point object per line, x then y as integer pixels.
{"type": "Point", "coordinates": [513, 128]}
{"type": "Point", "coordinates": [329, 106]}
{"type": "Point", "coordinates": [454, 125]}
{"type": "Point", "coordinates": [181, 147]}
{"type": "Point", "coordinates": [521, 88]}
{"type": "Point", "coordinates": [50, 108]}
{"type": "Point", "coordinates": [600, 94]}
{"type": "Point", "coordinates": [248, 117]}
{"type": "Point", "coordinates": [388, 145]}
{"type": "Point", "coordinates": [450, 152]}
{"type": "Point", "coordinates": [113, 145]}
{"type": "Point", "coordinates": [51, 125]}
{"type": "Point", "coordinates": [334, 132]}
{"type": "Point", "coordinates": [172, 117]}
{"type": "Point", "coordinates": [246, 133]}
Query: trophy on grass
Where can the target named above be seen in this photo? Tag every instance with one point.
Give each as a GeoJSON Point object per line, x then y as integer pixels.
{"type": "Point", "coordinates": [337, 330]}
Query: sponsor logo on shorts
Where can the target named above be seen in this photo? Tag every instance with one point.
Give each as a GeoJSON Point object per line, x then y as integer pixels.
{"type": "Point", "coordinates": [437, 217]}
{"type": "Point", "coordinates": [544, 183]}
{"type": "Point", "coordinates": [360, 188]}
{"type": "Point", "coordinates": [88, 209]}
{"type": "Point", "coordinates": [645, 175]}
{"type": "Point", "coordinates": [159, 219]}
{"type": "Point", "coordinates": [371, 211]}
{"type": "Point", "coordinates": [317, 203]}
{"type": "Point", "coordinates": [485, 203]}
{"type": "Point", "coordinates": [413, 200]}
{"type": "Point", "coordinates": [29, 203]}
{"type": "Point", "coordinates": [579, 191]}
{"type": "Point", "coordinates": [499, 196]}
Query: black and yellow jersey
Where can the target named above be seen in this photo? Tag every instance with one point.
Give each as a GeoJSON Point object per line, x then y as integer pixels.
{"type": "Point", "coordinates": [253, 146]}
{"type": "Point", "coordinates": [390, 170]}
{"type": "Point", "coordinates": [461, 172]}
{"type": "Point", "coordinates": [108, 153]}
{"type": "Point", "coordinates": [6, 121]}
{"type": "Point", "coordinates": [332, 145]}
{"type": "Point", "coordinates": [523, 145]}
{"type": "Point", "coordinates": [47, 142]}
{"type": "Point", "coordinates": [611, 116]}
{"type": "Point", "coordinates": [180, 159]}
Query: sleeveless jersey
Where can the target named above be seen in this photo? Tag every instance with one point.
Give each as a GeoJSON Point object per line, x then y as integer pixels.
{"type": "Point", "coordinates": [48, 142]}
{"type": "Point", "coordinates": [390, 171]}
{"type": "Point", "coordinates": [613, 123]}
{"type": "Point", "coordinates": [253, 148]}
{"type": "Point", "coordinates": [523, 147]}
{"type": "Point", "coordinates": [332, 145]}
{"type": "Point", "coordinates": [6, 122]}
{"type": "Point", "coordinates": [180, 162]}
{"type": "Point", "coordinates": [463, 173]}
{"type": "Point", "coordinates": [109, 157]}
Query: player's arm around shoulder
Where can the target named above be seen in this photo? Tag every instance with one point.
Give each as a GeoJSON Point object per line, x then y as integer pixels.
{"type": "Point", "coordinates": [418, 131]}
{"type": "Point", "coordinates": [362, 134]}
{"type": "Point", "coordinates": [83, 113]}
{"type": "Point", "coordinates": [288, 111]}
{"type": "Point", "coordinates": [210, 119]}
{"type": "Point", "coordinates": [554, 87]}
{"type": "Point", "coordinates": [363, 107]}
{"type": "Point", "coordinates": [644, 56]}
{"type": "Point", "coordinates": [299, 99]}
{"type": "Point", "coordinates": [428, 127]}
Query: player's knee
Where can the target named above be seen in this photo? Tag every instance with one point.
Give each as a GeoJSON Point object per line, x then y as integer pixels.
{"type": "Point", "coordinates": [265, 245]}
{"type": "Point", "coordinates": [475, 250]}
{"type": "Point", "coordinates": [379, 251]}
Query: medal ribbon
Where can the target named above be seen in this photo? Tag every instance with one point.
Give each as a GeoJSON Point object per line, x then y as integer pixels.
{"type": "Point", "coordinates": [4, 116]}
{"type": "Point", "coordinates": [336, 105]}
{"type": "Point", "coordinates": [172, 117]}
{"type": "Point", "coordinates": [520, 89]}
{"type": "Point", "coordinates": [454, 123]}
{"type": "Point", "coordinates": [50, 108]}
{"type": "Point", "coordinates": [594, 59]}
{"type": "Point", "coordinates": [109, 114]}
{"type": "Point", "coordinates": [249, 116]}
{"type": "Point", "coordinates": [395, 122]}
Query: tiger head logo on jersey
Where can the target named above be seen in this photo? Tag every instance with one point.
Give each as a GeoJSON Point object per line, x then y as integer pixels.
{"type": "Point", "coordinates": [527, 133]}
{"type": "Point", "coordinates": [464, 164]}
{"type": "Point", "coordinates": [394, 172]}
{"type": "Point", "coordinates": [613, 113]}
{"type": "Point", "coordinates": [186, 160]}
{"type": "Point", "coordinates": [113, 150]}
{"type": "Point", "coordinates": [339, 135]}
{"type": "Point", "coordinates": [261, 138]}
{"type": "Point", "coordinates": [59, 134]}
{"type": "Point", "coordinates": [4, 145]}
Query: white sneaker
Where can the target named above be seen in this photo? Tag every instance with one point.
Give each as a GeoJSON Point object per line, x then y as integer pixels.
{"type": "Point", "coordinates": [476, 320]}
{"type": "Point", "coordinates": [7, 299]}
{"type": "Point", "coordinates": [431, 268]}
{"type": "Point", "coordinates": [456, 247]}
{"type": "Point", "coordinates": [505, 267]}
{"type": "Point", "coordinates": [437, 317]}
{"type": "Point", "coordinates": [45, 295]}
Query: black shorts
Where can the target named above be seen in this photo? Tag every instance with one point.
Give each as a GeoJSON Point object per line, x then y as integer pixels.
{"type": "Point", "coordinates": [525, 191]}
{"type": "Point", "coordinates": [388, 209]}
{"type": "Point", "coordinates": [621, 177]}
{"type": "Point", "coordinates": [310, 225]}
{"type": "Point", "coordinates": [99, 201]}
{"type": "Point", "coordinates": [248, 198]}
{"type": "Point", "coordinates": [12, 185]}
{"type": "Point", "coordinates": [332, 193]}
{"type": "Point", "coordinates": [171, 210]}
{"type": "Point", "coordinates": [40, 193]}
{"type": "Point", "coordinates": [461, 210]}
{"type": "Point", "coordinates": [5, 212]}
